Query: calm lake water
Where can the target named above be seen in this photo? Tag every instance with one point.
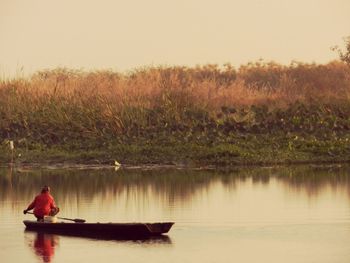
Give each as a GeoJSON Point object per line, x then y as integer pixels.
{"type": "Point", "coordinates": [285, 214]}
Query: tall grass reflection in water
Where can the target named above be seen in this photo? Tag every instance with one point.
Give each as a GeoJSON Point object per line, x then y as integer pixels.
{"type": "Point", "coordinates": [170, 185]}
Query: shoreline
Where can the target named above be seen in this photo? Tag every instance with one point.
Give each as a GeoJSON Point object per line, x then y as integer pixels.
{"type": "Point", "coordinates": [144, 166]}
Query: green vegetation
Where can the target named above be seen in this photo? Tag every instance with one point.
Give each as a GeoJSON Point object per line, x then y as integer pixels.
{"type": "Point", "coordinates": [257, 114]}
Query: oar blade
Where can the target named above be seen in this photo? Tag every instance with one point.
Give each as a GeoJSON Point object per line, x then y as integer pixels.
{"type": "Point", "coordinates": [78, 220]}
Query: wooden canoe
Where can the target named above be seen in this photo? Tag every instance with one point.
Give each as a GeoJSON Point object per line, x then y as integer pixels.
{"type": "Point", "coordinates": [112, 230]}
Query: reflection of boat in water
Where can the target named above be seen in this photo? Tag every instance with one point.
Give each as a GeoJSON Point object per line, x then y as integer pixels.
{"type": "Point", "coordinates": [44, 246]}
{"type": "Point", "coordinates": [161, 239]}
{"type": "Point", "coordinates": [116, 231]}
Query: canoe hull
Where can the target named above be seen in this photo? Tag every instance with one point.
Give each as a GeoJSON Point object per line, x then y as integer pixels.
{"type": "Point", "coordinates": [112, 230]}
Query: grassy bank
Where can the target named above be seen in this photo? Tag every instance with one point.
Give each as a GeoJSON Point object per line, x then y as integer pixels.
{"type": "Point", "coordinates": [258, 113]}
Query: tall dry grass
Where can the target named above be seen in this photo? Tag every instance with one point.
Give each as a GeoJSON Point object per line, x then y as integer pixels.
{"type": "Point", "coordinates": [58, 105]}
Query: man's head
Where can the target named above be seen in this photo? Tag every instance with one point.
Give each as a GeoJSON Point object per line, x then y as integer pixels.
{"type": "Point", "coordinates": [45, 189]}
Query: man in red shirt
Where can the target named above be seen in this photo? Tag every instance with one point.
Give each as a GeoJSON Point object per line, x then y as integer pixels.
{"type": "Point", "coordinates": [43, 205]}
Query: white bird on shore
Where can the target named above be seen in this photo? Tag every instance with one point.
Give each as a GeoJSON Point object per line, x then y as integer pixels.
{"type": "Point", "coordinates": [12, 146]}
{"type": "Point", "coordinates": [117, 165]}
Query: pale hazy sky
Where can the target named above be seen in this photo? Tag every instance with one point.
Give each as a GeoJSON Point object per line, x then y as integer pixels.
{"type": "Point", "coordinates": [125, 34]}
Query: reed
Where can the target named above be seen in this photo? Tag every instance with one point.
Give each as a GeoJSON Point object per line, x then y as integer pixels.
{"type": "Point", "coordinates": [93, 109]}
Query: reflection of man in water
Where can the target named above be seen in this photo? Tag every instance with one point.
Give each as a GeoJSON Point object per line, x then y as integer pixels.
{"type": "Point", "coordinates": [44, 246]}
{"type": "Point", "coordinates": [43, 205]}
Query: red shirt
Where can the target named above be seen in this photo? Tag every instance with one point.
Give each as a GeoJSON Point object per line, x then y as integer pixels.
{"type": "Point", "coordinates": [42, 204]}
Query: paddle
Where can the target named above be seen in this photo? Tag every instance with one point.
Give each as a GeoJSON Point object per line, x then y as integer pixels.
{"type": "Point", "coordinates": [76, 220]}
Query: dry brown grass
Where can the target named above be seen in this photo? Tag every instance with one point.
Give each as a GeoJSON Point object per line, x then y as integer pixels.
{"type": "Point", "coordinates": [104, 102]}
{"type": "Point", "coordinates": [208, 86]}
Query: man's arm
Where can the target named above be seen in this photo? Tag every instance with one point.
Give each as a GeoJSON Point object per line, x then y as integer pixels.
{"type": "Point", "coordinates": [30, 207]}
